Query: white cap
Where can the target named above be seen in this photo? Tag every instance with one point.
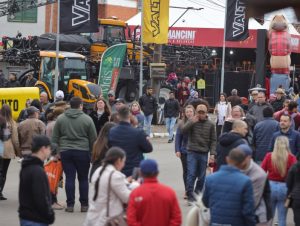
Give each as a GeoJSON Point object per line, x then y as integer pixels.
{"type": "Point", "coordinates": [59, 94]}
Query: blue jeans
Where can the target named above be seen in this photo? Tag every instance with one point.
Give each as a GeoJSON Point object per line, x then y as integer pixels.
{"type": "Point", "coordinates": [31, 223]}
{"type": "Point", "coordinates": [278, 196]}
{"type": "Point", "coordinates": [196, 169]}
{"type": "Point", "coordinates": [170, 123]}
{"type": "Point", "coordinates": [147, 124]}
{"type": "Point", "coordinates": [75, 161]}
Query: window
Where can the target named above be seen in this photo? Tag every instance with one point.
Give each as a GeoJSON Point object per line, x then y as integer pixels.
{"type": "Point", "coordinates": [27, 16]}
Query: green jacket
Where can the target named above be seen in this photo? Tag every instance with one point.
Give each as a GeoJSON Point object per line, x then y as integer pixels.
{"type": "Point", "coordinates": [74, 130]}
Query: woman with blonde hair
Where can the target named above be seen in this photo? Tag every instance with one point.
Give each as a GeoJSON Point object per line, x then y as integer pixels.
{"type": "Point", "coordinates": [277, 165]}
{"type": "Point", "coordinates": [135, 110]}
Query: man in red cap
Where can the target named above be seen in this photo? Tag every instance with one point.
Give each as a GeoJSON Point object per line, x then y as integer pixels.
{"type": "Point", "coordinates": [152, 203]}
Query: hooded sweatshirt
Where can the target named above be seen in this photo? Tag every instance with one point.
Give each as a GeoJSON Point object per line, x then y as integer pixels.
{"type": "Point", "coordinates": [74, 130]}
{"type": "Point", "coordinates": [34, 192]}
{"type": "Point", "coordinates": [227, 142]}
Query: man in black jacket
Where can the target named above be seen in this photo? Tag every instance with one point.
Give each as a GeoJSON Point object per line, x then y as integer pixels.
{"type": "Point", "coordinates": [231, 140]}
{"type": "Point", "coordinates": [34, 193]}
{"type": "Point", "coordinates": [132, 140]}
{"type": "Point", "coordinates": [171, 112]}
{"type": "Point", "coordinates": [148, 104]}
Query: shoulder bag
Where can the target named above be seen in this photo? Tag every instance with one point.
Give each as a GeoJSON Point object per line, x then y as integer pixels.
{"type": "Point", "coordinates": [119, 220]}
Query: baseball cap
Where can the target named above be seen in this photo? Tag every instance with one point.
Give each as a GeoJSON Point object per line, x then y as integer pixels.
{"type": "Point", "coordinates": [111, 93]}
{"type": "Point", "coordinates": [59, 94]}
{"type": "Point", "coordinates": [120, 100]}
{"type": "Point", "coordinates": [246, 149]}
{"type": "Point", "coordinates": [149, 166]}
{"type": "Point", "coordinates": [31, 110]}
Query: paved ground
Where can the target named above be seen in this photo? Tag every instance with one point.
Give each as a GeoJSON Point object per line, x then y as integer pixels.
{"type": "Point", "coordinates": [169, 165]}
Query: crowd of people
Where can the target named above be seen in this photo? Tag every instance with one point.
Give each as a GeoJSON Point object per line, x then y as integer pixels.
{"type": "Point", "coordinates": [250, 151]}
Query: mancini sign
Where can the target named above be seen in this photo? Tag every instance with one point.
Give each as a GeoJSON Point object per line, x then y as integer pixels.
{"type": "Point", "coordinates": [78, 16]}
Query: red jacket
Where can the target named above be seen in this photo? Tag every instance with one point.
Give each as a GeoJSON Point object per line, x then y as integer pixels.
{"type": "Point", "coordinates": [153, 204]}
{"type": "Point", "coordinates": [273, 173]}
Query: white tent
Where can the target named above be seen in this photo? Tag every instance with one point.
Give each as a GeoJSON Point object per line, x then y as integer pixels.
{"type": "Point", "coordinates": [212, 16]}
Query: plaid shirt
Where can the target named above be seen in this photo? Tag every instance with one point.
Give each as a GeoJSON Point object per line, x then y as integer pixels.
{"type": "Point", "coordinates": [280, 43]}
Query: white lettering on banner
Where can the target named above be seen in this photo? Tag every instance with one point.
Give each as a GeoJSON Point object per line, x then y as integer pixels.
{"type": "Point", "coordinates": [80, 12]}
{"type": "Point", "coordinates": [182, 36]}
{"type": "Point", "coordinates": [239, 18]}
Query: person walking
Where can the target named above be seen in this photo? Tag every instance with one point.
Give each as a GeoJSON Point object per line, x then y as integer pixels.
{"type": "Point", "coordinates": [11, 145]}
{"type": "Point", "coordinates": [100, 147]}
{"type": "Point", "coordinates": [259, 106]}
{"type": "Point", "coordinates": [228, 194]}
{"type": "Point", "coordinates": [277, 104]}
{"type": "Point", "coordinates": [234, 99]}
{"type": "Point", "coordinates": [100, 114]}
{"type": "Point", "coordinates": [293, 186]}
{"type": "Point", "coordinates": [262, 134]}
{"type": "Point", "coordinates": [171, 113]}
{"type": "Point", "coordinates": [152, 203]}
{"type": "Point", "coordinates": [149, 106]}
{"type": "Point", "coordinates": [28, 128]}
{"type": "Point", "coordinates": [261, 187]}
{"type": "Point", "coordinates": [286, 130]}
{"type": "Point", "coordinates": [135, 110]}
{"type": "Point", "coordinates": [292, 110]}
{"type": "Point", "coordinates": [181, 141]}
{"type": "Point", "coordinates": [74, 134]}
{"type": "Point", "coordinates": [34, 192]}
{"type": "Point", "coordinates": [132, 140]}
{"type": "Point", "coordinates": [109, 189]}
{"type": "Point", "coordinates": [223, 111]}
{"type": "Point", "coordinates": [44, 101]}
{"type": "Point", "coordinates": [201, 142]}
{"type": "Point", "coordinates": [231, 140]}
{"type": "Point", "coordinates": [277, 165]}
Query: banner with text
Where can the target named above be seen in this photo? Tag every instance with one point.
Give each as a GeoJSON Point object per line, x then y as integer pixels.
{"type": "Point", "coordinates": [78, 16]}
{"type": "Point", "coordinates": [110, 66]}
{"type": "Point", "coordinates": [156, 21]}
{"type": "Point", "coordinates": [236, 22]}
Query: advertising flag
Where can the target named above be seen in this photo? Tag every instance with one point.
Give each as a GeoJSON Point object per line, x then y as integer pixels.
{"type": "Point", "coordinates": [156, 21]}
{"type": "Point", "coordinates": [110, 66]}
{"type": "Point", "coordinates": [78, 16]}
{"type": "Point", "coordinates": [236, 22]}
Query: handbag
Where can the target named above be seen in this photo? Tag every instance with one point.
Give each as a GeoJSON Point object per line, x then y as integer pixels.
{"type": "Point", "coordinates": [288, 202]}
{"type": "Point", "coordinates": [119, 220]}
{"type": "Point", "coordinates": [54, 172]}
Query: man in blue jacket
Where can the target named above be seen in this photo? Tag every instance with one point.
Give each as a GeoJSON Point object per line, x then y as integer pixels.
{"type": "Point", "coordinates": [132, 140]}
{"type": "Point", "coordinates": [262, 134]}
{"type": "Point", "coordinates": [229, 194]}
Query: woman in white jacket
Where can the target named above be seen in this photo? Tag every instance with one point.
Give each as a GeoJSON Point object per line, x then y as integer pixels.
{"type": "Point", "coordinates": [113, 163]}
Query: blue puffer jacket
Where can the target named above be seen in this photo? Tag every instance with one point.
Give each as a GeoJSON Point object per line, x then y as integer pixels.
{"type": "Point", "coordinates": [181, 141]}
{"type": "Point", "coordinates": [229, 195]}
{"type": "Point", "coordinates": [262, 135]}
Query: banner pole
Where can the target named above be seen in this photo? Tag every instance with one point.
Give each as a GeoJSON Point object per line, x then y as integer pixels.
{"type": "Point", "coordinates": [224, 48]}
{"type": "Point", "coordinates": [141, 50]}
{"type": "Point", "coordinates": [57, 49]}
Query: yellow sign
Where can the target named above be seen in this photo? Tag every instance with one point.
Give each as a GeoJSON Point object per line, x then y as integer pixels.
{"type": "Point", "coordinates": [16, 98]}
{"type": "Point", "coordinates": [201, 84]}
{"type": "Point", "coordinates": [156, 21]}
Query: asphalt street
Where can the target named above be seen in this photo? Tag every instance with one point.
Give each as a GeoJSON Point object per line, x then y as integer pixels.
{"type": "Point", "coordinates": [170, 174]}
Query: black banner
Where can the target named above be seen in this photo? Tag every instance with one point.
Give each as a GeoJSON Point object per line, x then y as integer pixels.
{"type": "Point", "coordinates": [78, 16]}
{"type": "Point", "coordinates": [236, 22]}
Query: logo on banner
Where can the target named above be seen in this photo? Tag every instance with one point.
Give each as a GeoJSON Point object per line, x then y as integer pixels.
{"type": "Point", "coordinates": [155, 10]}
{"type": "Point", "coordinates": [80, 12]}
{"type": "Point", "coordinates": [182, 36]}
{"type": "Point", "coordinates": [239, 19]}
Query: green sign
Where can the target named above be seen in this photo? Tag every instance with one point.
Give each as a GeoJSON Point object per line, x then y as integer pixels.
{"type": "Point", "coordinates": [110, 66]}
